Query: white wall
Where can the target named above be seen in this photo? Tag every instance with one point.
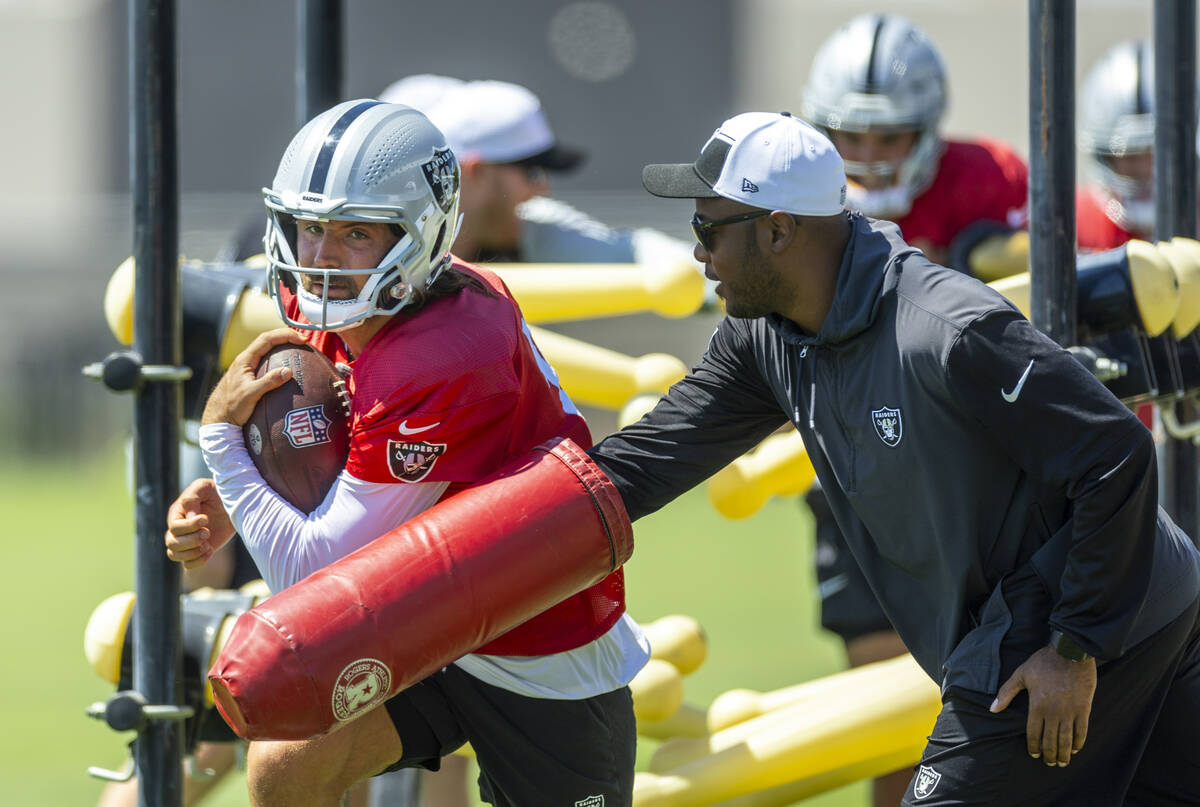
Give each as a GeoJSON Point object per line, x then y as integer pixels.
{"type": "Point", "coordinates": [53, 97]}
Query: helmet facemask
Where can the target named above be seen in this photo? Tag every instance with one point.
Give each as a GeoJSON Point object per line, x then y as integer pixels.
{"type": "Point", "coordinates": [1129, 201]}
{"type": "Point", "coordinates": [908, 178]}
{"type": "Point", "coordinates": [390, 286]}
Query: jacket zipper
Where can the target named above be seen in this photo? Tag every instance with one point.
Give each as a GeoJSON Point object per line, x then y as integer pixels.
{"type": "Point", "coordinates": [812, 391]}
{"type": "Point", "coordinates": [851, 468]}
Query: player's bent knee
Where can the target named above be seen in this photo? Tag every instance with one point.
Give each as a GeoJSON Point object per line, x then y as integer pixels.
{"type": "Point", "coordinates": [320, 770]}
{"type": "Point", "coordinates": [290, 773]}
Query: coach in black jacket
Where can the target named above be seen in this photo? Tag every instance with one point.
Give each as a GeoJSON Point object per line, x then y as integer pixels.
{"type": "Point", "coordinates": [1000, 501]}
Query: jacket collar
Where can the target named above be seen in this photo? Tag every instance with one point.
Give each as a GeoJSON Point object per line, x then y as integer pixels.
{"type": "Point", "coordinates": [864, 276]}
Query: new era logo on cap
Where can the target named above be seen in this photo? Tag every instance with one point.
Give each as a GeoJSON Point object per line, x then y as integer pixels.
{"type": "Point", "coordinates": [795, 167]}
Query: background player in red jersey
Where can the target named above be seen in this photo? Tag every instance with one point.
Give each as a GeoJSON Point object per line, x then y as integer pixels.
{"type": "Point", "coordinates": [877, 88]}
{"type": "Point", "coordinates": [446, 386]}
{"type": "Point", "coordinates": [1116, 132]}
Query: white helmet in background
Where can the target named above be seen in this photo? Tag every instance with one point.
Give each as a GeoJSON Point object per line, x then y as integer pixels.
{"type": "Point", "coordinates": [366, 161]}
{"type": "Point", "coordinates": [881, 73]}
{"type": "Point", "coordinates": [1116, 119]}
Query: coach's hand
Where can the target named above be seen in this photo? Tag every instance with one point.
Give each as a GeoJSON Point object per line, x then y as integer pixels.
{"type": "Point", "coordinates": [1060, 702]}
{"type": "Point", "coordinates": [197, 525]}
{"type": "Point", "coordinates": [235, 395]}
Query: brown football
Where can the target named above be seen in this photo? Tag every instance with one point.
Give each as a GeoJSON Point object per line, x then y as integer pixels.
{"type": "Point", "coordinates": [298, 434]}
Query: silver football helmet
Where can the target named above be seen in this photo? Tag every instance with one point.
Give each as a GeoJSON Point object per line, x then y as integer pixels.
{"type": "Point", "coordinates": [368, 161]}
{"type": "Point", "coordinates": [880, 73]}
{"type": "Point", "coordinates": [1116, 119]}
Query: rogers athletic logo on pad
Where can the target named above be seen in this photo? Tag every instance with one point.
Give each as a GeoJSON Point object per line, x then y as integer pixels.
{"type": "Point", "coordinates": [361, 685]}
{"type": "Point", "coordinates": [412, 461]}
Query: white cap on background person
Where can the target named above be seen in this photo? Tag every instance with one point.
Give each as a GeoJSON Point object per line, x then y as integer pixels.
{"type": "Point", "coordinates": [489, 121]}
{"type": "Point", "coordinates": [768, 160]}
{"type": "Point", "coordinates": [421, 92]}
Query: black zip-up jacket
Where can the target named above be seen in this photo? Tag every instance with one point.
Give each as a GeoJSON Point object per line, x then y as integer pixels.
{"type": "Point", "coordinates": [955, 443]}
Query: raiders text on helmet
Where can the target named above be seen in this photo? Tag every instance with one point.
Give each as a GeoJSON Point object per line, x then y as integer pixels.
{"type": "Point", "coordinates": [881, 73]}
{"type": "Point", "coordinates": [364, 161]}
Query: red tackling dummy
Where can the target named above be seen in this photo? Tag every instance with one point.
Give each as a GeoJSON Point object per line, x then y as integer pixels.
{"type": "Point", "coordinates": [348, 637]}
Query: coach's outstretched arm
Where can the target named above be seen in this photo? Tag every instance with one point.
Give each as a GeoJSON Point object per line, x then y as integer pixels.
{"type": "Point", "coordinates": [722, 409]}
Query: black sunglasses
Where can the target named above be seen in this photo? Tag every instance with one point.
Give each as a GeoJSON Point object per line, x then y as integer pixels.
{"type": "Point", "coordinates": [703, 229]}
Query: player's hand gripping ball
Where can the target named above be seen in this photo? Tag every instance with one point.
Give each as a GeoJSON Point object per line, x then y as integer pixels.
{"type": "Point", "coordinates": [298, 434]}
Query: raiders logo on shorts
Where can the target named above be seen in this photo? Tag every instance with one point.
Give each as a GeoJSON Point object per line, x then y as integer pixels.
{"type": "Point", "coordinates": [412, 461]}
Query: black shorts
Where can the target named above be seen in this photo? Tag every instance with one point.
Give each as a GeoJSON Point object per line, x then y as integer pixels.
{"type": "Point", "coordinates": [848, 606]}
{"type": "Point", "coordinates": [1141, 747]}
{"type": "Point", "coordinates": [531, 751]}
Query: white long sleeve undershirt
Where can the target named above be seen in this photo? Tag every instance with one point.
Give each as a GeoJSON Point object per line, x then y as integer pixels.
{"type": "Point", "coordinates": [288, 545]}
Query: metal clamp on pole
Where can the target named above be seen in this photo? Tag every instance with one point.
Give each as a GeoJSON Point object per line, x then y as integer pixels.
{"type": "Point", "coordinates": [128, 711]}
{"type": "Point", "coordinates": [123, 371]}
{"type": "Point", "coordinates": [1103, 367]}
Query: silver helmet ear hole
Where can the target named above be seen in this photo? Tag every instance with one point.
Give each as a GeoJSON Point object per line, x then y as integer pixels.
{"type": "Point", "coordinates": [399, 291]}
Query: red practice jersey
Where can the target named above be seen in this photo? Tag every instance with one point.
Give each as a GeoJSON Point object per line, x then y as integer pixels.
{"type": "Point", "coordinates": [1094, 229]}
{"type": "Point", "coordinates": [976, 180]}
{"type": "Point", "coordinates": [451, 394]}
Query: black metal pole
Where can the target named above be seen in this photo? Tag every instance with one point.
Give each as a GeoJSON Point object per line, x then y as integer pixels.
{"type": "Point", "coordinates": [1052, 167]}
{"type": "Point", "coordinates": [154, 177]}
{"type": "Point", "coordinates": [1175, 214]}
{"type": "Point", "coordinates": [319, 58]}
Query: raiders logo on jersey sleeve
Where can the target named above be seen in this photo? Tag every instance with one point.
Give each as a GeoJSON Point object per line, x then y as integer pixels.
{"type": "Point", "coordinates": [412, 461]}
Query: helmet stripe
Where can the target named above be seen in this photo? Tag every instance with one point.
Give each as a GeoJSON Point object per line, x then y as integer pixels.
{"type": "Point", "coordinates": [870, 79]}
{"type": "Point", "coordinates": [321, 167]}
{"type": "Point", "coordinates": [1142, 105]}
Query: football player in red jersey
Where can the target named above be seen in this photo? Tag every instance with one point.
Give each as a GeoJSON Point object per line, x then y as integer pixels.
{"type": "Point", "coordinates": [1116, 132]}
{"type": "Point", "coordinates": [446, 387]}
{"type": "Point", "coordinates": [877, 88]}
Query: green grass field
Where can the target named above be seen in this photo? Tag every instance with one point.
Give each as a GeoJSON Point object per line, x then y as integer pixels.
{"type": "Point", "coordinates": [70, 526]}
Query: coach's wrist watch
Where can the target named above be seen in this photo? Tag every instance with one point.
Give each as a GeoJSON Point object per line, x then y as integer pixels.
{"type": "Point", "coordinates": [1067, 647]}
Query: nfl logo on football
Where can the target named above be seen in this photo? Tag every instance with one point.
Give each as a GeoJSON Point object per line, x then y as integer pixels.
{"type": "Point", "coordinates": [307, 426]}
{"type": "Point", "coordinates": [927, 779]}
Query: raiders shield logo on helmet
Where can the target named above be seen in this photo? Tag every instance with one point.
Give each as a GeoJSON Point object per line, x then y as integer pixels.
{"type": "Point", "coordinates": [441, 173]}
{"type": "Point", "coordinates": [888, 425]}
{"type": "Point", "coordinates": [412, 461]}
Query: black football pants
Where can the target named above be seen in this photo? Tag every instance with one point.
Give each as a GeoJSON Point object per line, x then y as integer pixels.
{"type": "Point", "coordinates": [1143, 743]}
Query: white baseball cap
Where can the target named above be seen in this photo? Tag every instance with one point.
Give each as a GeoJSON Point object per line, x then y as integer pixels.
{"type": "Point", "coordinates": [768, 160]}
{"type": "Point", "coordinates": [492, 121]}
{"type": "Point", "coordinates": [422, 92]}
